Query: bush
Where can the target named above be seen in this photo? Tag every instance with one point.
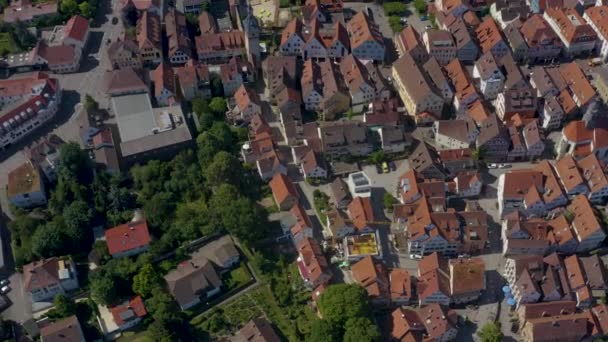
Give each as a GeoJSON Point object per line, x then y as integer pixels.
{"type": "Point", "coordinates": [394, 8]}
{"type": "Point", "coordinates": [420, 6]}
{"type": "Point", "coordinates": [395, 24]}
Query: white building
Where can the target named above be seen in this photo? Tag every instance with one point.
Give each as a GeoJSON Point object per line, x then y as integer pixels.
{"type": "Point", "coordinates": [597, 18]}
{"type": "Point", "coordinates": [25, 188]}
{"type": "Point", "coordinates": [359, 184]}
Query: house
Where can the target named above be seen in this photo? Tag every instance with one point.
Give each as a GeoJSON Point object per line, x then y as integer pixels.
{"type": "Point", "coordinates": [359, 184]}
{"type": "Point", "coordinates": [394, 139]}
{"type": "Point", "coordinates": [517, 42]}
{"type": "Point", "coordinates": [491, 78]}
{"type": "Point", "coordinates": [573, 327]}
{"type": "Point", "coordinates": [454, 133]}
{"type": "Point", "coordinates": [220, 47]}
{"type": "Point", "coordinates": [578, 37]}
{"type": "Point", "coordinates": [124, 53]}
{"type": "Point", "coordinates": [46, 278]}
{"type": "Point", "coordinates": [383, 112]}
{"type": "Point", "coordinates": [542, 41]}
{"type": "Point", "coordinates": [128, 239]}
{"type": "Point", "coordinates": [67, 329]}
{"type": "Point", "coordinates": [60, 59]}
{"type": "Point", "coordinates": [535, 146]}
{"type": "Point", "coordinates": [193, 281]}
{"type": "Point", "coordinates": [256, 330]}
{"type": "Point", "coordinates": [361, 213]}
{"type": "Point", "coordinates": [129, 313]}
{"type": "Point", "coordinates": [490, 39]}
{"type": "Point", "coordinates": [601, 83]}
{"type": "Point", "coordinates": [581, 89]}
{"type": "Point", "coordinates": [314, 46]}
{"type": "Point", "coordinates": [570, 177]}
{"type": "Point", "coordinates": [400, 286]}
{"type": "Point", "coordinates": [467, 279]}
{"type": "Point", "coordinates": [104, 151]}
{"type": "Point", "coordinates": [467, 184]}
{"type": "Point", "coordinates": [466, 48]}
{"type": "Point", "coordinates": [588, 229]}
{"type": "Point", "coordinates": [178, 42]}
{"type": "Point", "coordinates": [440, 44]}
{"type": "Point", "coordinates": [312, 264]}
{"type": "Point", "coordinates": [165, 89]}
{"type": "Point", "coordinates": [456, 160]}
{"type": "Point", "coordinates": [454, 8]}
{"type": "Point", "coordinates": [340, 194]}
{"type": "Point", "coordinates": [124, 81]}
{"type": "Point", "coordinates": [580, 141]}
{"type": "Point", "coordinates": [438, 79]}
{"type": "Point", "coordinates": [492, 139]}
{"type": "Point", "coordinates": [366, 41]}
{"type": "Point", "coordinates": [312, 165]}
{"type": "Point", "coordinates": [25, 187]}
{"type": "Point", "coordinates": [292, 41]}
{"type": "Point", "coordinates": [76, 32]}
{"type": "Point", "coordinates": [592, 172]}
{"type": "Point", "coordinates": [408, 42]}
{"type": "Point", "coordinates": [519, 190]}
{"type": "Point", "coordinates": [29, 102]}
{"type": "Point", "coordinates": [433, 321]}
{"type": "Point", "coordinates": [189, 6]}
{"type": "Point", "coordinates": [340, 138]}
{"type": "Point", "coordinates": [433, 285]}
{"type": "Point", "coordinates": [596, 17]}
{"type": "Point", "coordinates": [508, 11]}
{"type": "Point", "coordinates": [233, 74]}
{"type": "Point", "coordinates": [45, 156]}
{"type": "Point", "coordinates": [221, 252]}
{"type": "Point", "coordinates": [339, 224]}
{"type": "Point", "coordinates": [322, 91]}
{"type": "Point", "coordinates": [373, 277]}
{"type": "Point", "coordinates": [283, 191]}
{"type": "Point", "coordinates": [148, 35]}
{"type": "Point", "coordinates": [416, 93]}
{"type": "Point", "coordinates": [303, 227]}
{"type": "Point", "coordinates": [464, 88]}
{"type": "Point", "coordinates": [516, 101]}
{"type": "Point", "coordinates": [247, 104]}
{"type": "Point", "coordinates": [360, 87]}
{"type": "Point", "coordinates": [425, 161]}
{"type": "Point", "coordinates": [193, 80]}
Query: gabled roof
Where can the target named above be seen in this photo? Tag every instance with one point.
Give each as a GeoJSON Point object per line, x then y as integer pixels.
{"type": "Point", "coordinates": [164, 78]}
{"type": "Point", "coordinates": [76, 28]}
{"type": "Point", "coordinates": [129, 310]}
{"type": "Point", "coordinates": [127, 236]}
{"type": "Point", "coordinates": [578, 83]}
{"type": "Point", "coordinates": [372, 276]}
{"type": "Point", "coordinates": [67, 329]}
{"type": "Point", "coordinates": [363, 29]}
{"type": "Point", "coordinates": [124, 80]}
{"type": "Point", "coordinates": [148, 31]}
{"type": "Point", "coordinates": [361, 212]}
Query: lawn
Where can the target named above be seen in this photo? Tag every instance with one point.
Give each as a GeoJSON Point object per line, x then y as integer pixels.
{"type": "Point", "coordinates": [7, 43]}
{"type": "Point", "coordinates": [237, 277]}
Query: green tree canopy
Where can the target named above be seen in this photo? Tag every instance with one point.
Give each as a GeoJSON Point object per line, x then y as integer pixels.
{"type": "Point", "coordinates": [77, 216]}
{"type": "Point", "coordinates": [490, 332]}
{"type": "Point", "coordinates": [145, 281]}
{"type": "Point", "coordinates": [102, 288]}
{"type": "Point", "coordinates": [50, 239]}
{"type": "Point", "coordinates": [218, 106]}
{"type": "Point", "coordinates": [341, 302]}
{"type": "Point", "coordinates": [225, 168]}
{"type": "Point", "coordinates": [63, 306]}
{"type": "Point", "coordinates": [322, 330]}
{"type": "Point", "coordinates": [68, 7]}
{"type": "Point", "coordinates": [361, 329]}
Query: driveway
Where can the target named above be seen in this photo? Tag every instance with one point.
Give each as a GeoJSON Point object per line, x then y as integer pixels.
{"type": "Point", "coordinates": [21, 304]}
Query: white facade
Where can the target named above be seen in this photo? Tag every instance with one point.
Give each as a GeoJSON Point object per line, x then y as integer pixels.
{"type": "Point", "coordinates": [602, 42]}
{"type": "Point", "coordinates": [491, 86]}
{"type": "Point", "coordinates": [317, 172]}
{"type": "Point", "coordinates": [574, 48]}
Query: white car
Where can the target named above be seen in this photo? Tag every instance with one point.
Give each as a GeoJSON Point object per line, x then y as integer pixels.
{"type": "Point", "coordinates": [4, 282]}
{"type": "Point", "coordinates": [492, 166]}
{"type": "Point", "coordinates": [5, 289]}
{"type": "Point", "coordinates": [504, 166]}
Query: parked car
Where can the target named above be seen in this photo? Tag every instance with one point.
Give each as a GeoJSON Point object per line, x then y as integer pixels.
{"type": "Point", "coordinates": [392, 165]}
{"type": "Point", "coordinates": [492, 166]}
{"type": "Point", "coordinates": [114, 20]}
{"type": "Point", "coordinates": [4, 282]}
{"type": "Point", "coordinates": [424, 17]}
{"type": "Point", "coordinates": [504, 166]}
{"type": "Point", "coordinates": [428, 27]}
{"type": "Point", "coordinates": [5, 289]}
{"type": "Point", "coordinates": [385, 168]}
{"type": "Point", "coordinates": [378, 169]}
{"type": "Point", "coordinates": [403, 20]}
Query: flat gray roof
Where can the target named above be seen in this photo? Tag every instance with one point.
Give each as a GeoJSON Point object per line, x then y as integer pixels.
{"type": "Point", "coordinates": [134, 116]}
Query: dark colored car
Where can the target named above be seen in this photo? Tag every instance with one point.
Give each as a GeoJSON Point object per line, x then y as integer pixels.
{"type": "Point", "coordinates": [392, 166]}
{"type": "Point", "coordinates": [114, 21]}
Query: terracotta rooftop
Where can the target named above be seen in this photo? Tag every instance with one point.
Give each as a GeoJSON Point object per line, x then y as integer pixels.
{"type": "Point", "coordinates": [573, 27]}
{"type": "Point", "coordinates": [361, 212]}
{"type": "Point", "coordinates": [363, 29]}
{"type": "Point", "coordinates": [282, 187]}
{"type": "Point", "coordinates": [598, 15]}
{"type": "Point", "coordinates": [127, 236]}
{"type": "Point", "coordinates": [578, 83]}
{"type": "Point", "coordinates": [129, 310]}
{"type": "Point", "coordinates": [585, 222]}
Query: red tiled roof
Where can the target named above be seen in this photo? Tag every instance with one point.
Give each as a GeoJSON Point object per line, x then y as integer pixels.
{"type": "Point", "coordinates": [127, 236]}
{"type": "Point", "coordinates": [135, 305]}
{"type": "Point", "coordinates": [76, 28]}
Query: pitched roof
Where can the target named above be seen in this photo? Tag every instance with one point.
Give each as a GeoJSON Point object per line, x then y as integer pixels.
{"type": "Point", "coordinates": [361, 212]}
{"type": "Point", "coordinates": [257, 330]}
{"type": "Point", "coordinates": [206, 23]}
{"type": "Point", "coordinates": [219, 251]}
{"type": "Point", "coordinates": [438, 320]}
{"type": "Point", "coordinates": [488, 34]}
{"type": "Point", "coordinates": [311, 160]}
{"type": "Point", "coordinates": [400, 283]}
{"type": "Point", "coordinates": [593, 172]}
{"type": "Point", "coordinates": [598, 15]}
{"type": "Point", "coordinates": [578, 83]}
{"type": "Point", "coordinates": [547, 309]}
{"type": "Point", "coordinates": [467, 275]}
{"type": "Point", "coordinates": [191, 278]}
{"type": "Point", "coordinates": [76, 28]}
{"type": "Point", "coordinates": [585, 223]}
{"type": "Point", "coordinates": [282, 187]}
{"type": "Point", "coordinates": [313, 260]}
{"type": "Point", "coordinates": [572, 26]}
{"type": "Point", "coordinates": [67, 329]}
{"type": "Point", "coordinates": [536, 31]}
{"type": "Point", "coordinates": [569, 173]}
{"type": "Point", "coordinates": [410, 38]}
{"type": "Point", "coordinates": [124, 80]}
{"type": "Point", "coordinates": [42, 273]}
{"type": "Point", "coordinates": [148, 31]}
{"type": "Point", "coordinates": [164, 78]}
{"type": "Point", "coordinates": [127, 236]}
{"type": "Point", "coordinates": [177, 33]}
{"type": "Point", "coordinates": [372, 276]}
{"type": "Point", "coordinates": [412, 78]}
{"type": "Point", "coordinates": [129, 310]}
{"type": "Point", "coordinates": [363, 29]}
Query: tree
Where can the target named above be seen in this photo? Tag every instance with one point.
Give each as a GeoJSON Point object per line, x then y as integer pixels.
{"type": "Point", "coordinates": [50, 239]}
{"type": "Point", "coordinates": [159, 209]}
{"type": "Point", "coordinates": [389, 201]}
{"type": "Point", "coordinates": [217, 88]}
{"type": "Point", "coordinates": [85, 9]}
{"type": "Point", "coordinates": [208, 146]}
{"type": "Point", "coordinates": [377, 157]}
{"type": "Point", "coordinates": [361, 329]}
{"type": "Point", "coordinates": [89, 102]}
{"type": "Point", "coordinates": [322, 330]}
{"type": "Point", "coordinates": [490, 332]}
{"type": "Point", "coordinates": [218, 106]}
{"type": "Point", "coordinates": [225, 168]}
{"type": "Point", "coordinates": [77, 216]}
{"type": "Point", "coordinates": [224, 135]}
{"type": "Point", "coordinates": [74, 163]}
{"type": "Point", "coordinates": [420, 6]}
{"type": "Point", "coordinates": [63, 306]}
{"type": "Point", "coordinates": [146, 281]}
{"type": "Point", "coordinates": [102, 288]}
{"type": "Point", "coordinates": [394, 8]}
{"type": "Point", "coordinates": [68, 7]}
{"type": "Point", "coordinates": [341, 302]}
